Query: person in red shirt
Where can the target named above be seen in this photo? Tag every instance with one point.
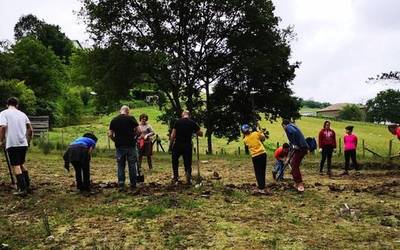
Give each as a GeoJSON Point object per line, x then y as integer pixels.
{"type": "Point", "coordinates": [395, 130]}
{"type": "Point", "coordinates": [327, 144]}
{"type": "Point", "coordinates": [280, 155]}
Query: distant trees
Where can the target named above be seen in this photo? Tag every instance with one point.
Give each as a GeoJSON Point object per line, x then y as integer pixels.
{"type": "Point", "coordinates": [314, 104]}
{"type": "Point", "coordinates": [385, 107]}
{"type": "Point", "coordinates": [351, 112]}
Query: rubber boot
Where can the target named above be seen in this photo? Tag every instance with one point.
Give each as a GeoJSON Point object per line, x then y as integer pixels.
{"type": "Point", "coordinates": [21, 185]}
{"type": "Point", "coordinates": [27, 181]}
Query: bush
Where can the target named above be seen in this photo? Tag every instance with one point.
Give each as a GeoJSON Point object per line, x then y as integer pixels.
{"type": "Point", "coordinates": [26, 96]}
{"type": "Point", "coordinates": [70, 107]}
{"type": "Point", "coordinates": [45, 146]}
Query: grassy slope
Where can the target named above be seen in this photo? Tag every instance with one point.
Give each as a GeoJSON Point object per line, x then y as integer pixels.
{"type": "Point", "coordinates": [376, 136]}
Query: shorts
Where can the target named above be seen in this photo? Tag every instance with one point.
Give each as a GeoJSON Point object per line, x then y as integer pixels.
{"type": "Point", "coordinates": [17, 155]}
{"type": "Point", "coordinates": [147, 148]}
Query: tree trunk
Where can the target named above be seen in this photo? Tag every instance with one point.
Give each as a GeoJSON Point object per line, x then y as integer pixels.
{"type": "Point", "coordinates": [208, 124]}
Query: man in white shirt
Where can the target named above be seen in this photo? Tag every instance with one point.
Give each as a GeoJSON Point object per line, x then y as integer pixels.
{"type": "Point", "coordinates": [15, 133]}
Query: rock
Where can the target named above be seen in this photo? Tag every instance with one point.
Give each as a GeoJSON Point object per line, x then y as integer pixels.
{"type": "Point", "coordinates": [50, 239]}
{"type": "Point", "coordinates": [216, 176]}
{"type": "Point", "coordinates": [4, 246]}
{"type": "Point", "coordinates": [336, 188]}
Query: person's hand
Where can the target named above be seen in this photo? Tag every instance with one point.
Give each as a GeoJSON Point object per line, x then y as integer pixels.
{"type": "Point", "coordinates": [145, 137]}
{"type": "Point", "coordinates": [295, 147]}
{"type": "Point", "coordinates": [334, 150]}
{"type": "Point", "coordinates": [320, 150]}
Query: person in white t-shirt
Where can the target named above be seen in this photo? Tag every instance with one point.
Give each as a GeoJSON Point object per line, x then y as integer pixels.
{"type": "Point", "coordinates": [15, 134]}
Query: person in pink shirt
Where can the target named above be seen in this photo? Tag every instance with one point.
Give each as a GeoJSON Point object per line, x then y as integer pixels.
{"type": "Point", "coordinates": [395, 130]}
{"type": "Point", "coordinates": [350, 147]}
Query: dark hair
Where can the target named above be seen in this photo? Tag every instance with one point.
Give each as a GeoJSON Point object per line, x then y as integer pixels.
{"type": "Point", "coordinates": [285, 121]}
{"type": "Point", "coordinates": [143, 116]}
{"type": "Point", "coordinates": [285, 145]}
{"type": "Point", "coordinates": [91, 136]}
{"type": "Point", "coordinates": [12, 101]}
{"type": "Point", "coordinates": [349, 128]}
{"type": "Point", "coordinates": [326, 123]}
{"type": "Point", "coordinates": [392, 127]}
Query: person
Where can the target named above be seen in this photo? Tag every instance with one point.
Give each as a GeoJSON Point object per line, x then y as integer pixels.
{"type": "Point", "coordinates": [181, 139]}
{"type": "Point", "coordinates": [281, 155]}
{"type": "Point", "coordinates": [254, 142]}
{"type": "Point", "coordinates": [300, 147]}
{"type": "Point", "coordinates": [327, 144]}
{"type": "Point", "coordinates": [395, 130]}
{"type": "Point", "coordinates": [350, 147]}
{"type": "Point", "coordinates": [79, 154]}
{"type": "Point", "coordinates": [145, 145]}
{"type": "Point", "coordinates": [123, 131]}
{"type": "Point", "coordinates": [16, 133]}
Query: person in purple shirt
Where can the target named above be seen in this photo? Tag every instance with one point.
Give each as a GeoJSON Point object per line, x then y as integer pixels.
{"type": "Point", "coordinates": [79, 155]}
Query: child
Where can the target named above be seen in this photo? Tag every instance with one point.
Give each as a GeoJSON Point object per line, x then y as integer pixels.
{"type": "Point", "coordinates": [79, 154]}
{"type": "Point", "coordinates": [253, 140]}
{"type": "Point", "coordinates": [327, 144]}
{"type": "Point", "coordinates": [395, 130]}
{"type": "Point", "coordinates": [281, 155]}
{"type": "Point", "coordinates": [350, 146]}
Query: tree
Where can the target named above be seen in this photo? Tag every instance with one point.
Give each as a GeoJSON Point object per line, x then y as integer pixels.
{"type": "Point", "coordinates": [194, 45]}
{"type": "Point", "coordinates": [50, 35]}
{"type": "Point", "coordinates": [352, 112]}
{"type": "Point", "coordinates": [385, 107]}
{"type": "Point", "coordinates": [392, 75]}
{"type": "Point", "coordinates": [16, 88]}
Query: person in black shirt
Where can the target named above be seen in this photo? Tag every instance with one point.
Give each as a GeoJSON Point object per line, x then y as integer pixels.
{"type": "Point", "coordinates": [181, 138]}
{"type": "Point", "coordinates": [123, 131]}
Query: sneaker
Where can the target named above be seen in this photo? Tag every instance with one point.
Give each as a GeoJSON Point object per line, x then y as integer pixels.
{"type": "Point", "coordinates": [20, 192]}
{"type": "Point", "coordinates": [175, 182]}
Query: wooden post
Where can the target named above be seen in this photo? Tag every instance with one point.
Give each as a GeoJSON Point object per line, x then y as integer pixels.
{"type": "Point", "coordinates": [363, 148]}
{"type": "Point", "coordinates": [340, 146]}
{"type": "Point", "coordinates": [390, 148]}
{"type": "Point", "coordinates": [277, 145]}
{"type": "Point", "coordinates": [238, 150]}
{"type": "Point", "coordinates": [108, 142]}
{"type": "Point", "coordinates": [157, 146]}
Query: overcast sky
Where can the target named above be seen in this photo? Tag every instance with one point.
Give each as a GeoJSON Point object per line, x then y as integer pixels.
{"type": "Point", "coordinates": [340, 43]}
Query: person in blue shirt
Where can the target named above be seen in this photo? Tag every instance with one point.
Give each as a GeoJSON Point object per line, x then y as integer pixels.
{"type": "Point", "coordinates": [300, 147]}
{"type": "Point", "coordinates": [79, 155]}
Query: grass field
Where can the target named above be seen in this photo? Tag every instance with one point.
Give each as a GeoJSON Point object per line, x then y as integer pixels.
{"type": "Point", "coordinates": [221, 214]}
{"type": "Point", "coordinates": [376, 137]}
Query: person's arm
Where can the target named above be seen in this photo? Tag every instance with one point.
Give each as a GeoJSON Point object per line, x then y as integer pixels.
{"type": "Point", "coordinates": [173, 135]}
{"type": "Point", "coordinates": [29, 132]}
{"type": "Point", "coordinates": [150, 133]}
{"type": "Point", "coordinates": [261, 136]}
{"type": "Point", "coordinates": [111, 134]}
{"type": "Point", "coordinates": [320, 135]}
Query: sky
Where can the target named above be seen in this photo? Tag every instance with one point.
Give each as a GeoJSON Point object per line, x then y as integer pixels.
{"type": "Point", "coordinates": [340, 43]}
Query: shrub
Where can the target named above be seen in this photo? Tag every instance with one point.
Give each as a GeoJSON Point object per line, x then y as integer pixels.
{"type": "Point", "coordinates": [352, 112]}
{"type": "Point", "coordinates": [18, 89]}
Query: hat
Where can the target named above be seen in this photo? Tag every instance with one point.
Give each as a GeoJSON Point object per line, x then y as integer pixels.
{"type": "Point", "coordinates": [245, 128]}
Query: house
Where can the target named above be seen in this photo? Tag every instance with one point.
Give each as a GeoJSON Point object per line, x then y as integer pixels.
{"type": "Point", "coordinates": [334, 110]}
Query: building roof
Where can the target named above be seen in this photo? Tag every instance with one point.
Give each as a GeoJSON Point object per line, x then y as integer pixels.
{"type": "Point", "coordinates": [338, 106]}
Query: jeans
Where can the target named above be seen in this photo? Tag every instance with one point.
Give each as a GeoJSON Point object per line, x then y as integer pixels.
{"type": "Point", "coordinates": [260, 166]}
{"type": "Point", "coordinates": [278, 169]}
{"type": "Point", "coordinates": [82, 175]}
{"type": "Point", "coordinates": [350, 154]}
{"type": "Point", "coordinates": [124, 155]}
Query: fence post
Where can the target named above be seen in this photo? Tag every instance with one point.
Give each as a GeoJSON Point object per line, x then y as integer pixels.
{"type": "Point", "coordinates": [157, 146]}
{"type": "Point", "coordinates": [363, 148]}
{"type": "Point", "coordinates": [238, 150]}
{"type": "Point", "coordinates": [390, 148]}
{"type": "Point", "coordinates": [277, 144]}
{"type": "Point", "coordinates": [340, 146]}
{"type": "Point", "coordinates": [108, 142]}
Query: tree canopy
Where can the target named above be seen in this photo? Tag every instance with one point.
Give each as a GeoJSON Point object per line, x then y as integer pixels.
{"type": "Point", "coordinates": [385, 107]}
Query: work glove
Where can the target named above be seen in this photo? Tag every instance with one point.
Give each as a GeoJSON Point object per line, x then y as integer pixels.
{"type": "Point", "coordinates": [320, 150]}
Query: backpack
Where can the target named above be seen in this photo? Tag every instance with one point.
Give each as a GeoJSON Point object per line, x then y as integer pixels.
{"type": "Point", "coordinates": [312, 143]}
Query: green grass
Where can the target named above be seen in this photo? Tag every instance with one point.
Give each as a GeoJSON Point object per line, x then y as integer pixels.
{"type": "Point", "coordinates": [375, 137]}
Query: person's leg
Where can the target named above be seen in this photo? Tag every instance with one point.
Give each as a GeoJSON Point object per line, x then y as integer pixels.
{"type": "Point", "coordinates": [149, 162]}
{"type": "Point", "coordinates": [16, 162]}
{"type": "Point", "coordinates": [78, 175]}
{"type": "Point", "coordinates": [260, 164]}
{"type": "Point", "coordinates": [187, 161]}
{"type": "Point", "coordinates": [24, 170]}
{"type": "Point", "coordinates": [132, 161]}
{"type": "Point", "coordinates": [323, 158]}
{"type": "Point", "coordinates": [346, 161]}
{"type": "Point", "coordinates": [329, 152]}
{"type": "Point", "coordinates": [280, 170]}
{"type": "Point", "coordinates": [175, 161]}
{"type": "Point", "coordinates": [121, 161]}
{"type": "Point", "coordinates": [86, 176]}
{"type": "Point", "coordinates": [140, 158]}
{"type": "Point", "coordinates": [295, 163]}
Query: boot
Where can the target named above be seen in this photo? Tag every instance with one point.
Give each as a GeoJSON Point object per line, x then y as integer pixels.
{"type": "Point", "coordinates": [188, 179]}
{"type": "Point", "coordinates": [27, 181]}
{"type": "Point", "coordinates": [21, 185]}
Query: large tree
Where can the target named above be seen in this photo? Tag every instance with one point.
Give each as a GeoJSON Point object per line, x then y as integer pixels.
{"type": "Point", "coordinates": [194, 45]}
{"type": "Point", "coordinates": [50, 35]}
{"type": "Point", "coordinates": [385, 107]}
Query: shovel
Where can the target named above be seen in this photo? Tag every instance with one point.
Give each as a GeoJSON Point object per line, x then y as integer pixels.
{"type": "Point", "coordinates": [287, 164]}
{"type": "Point", "coordinates": [8, 165]}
